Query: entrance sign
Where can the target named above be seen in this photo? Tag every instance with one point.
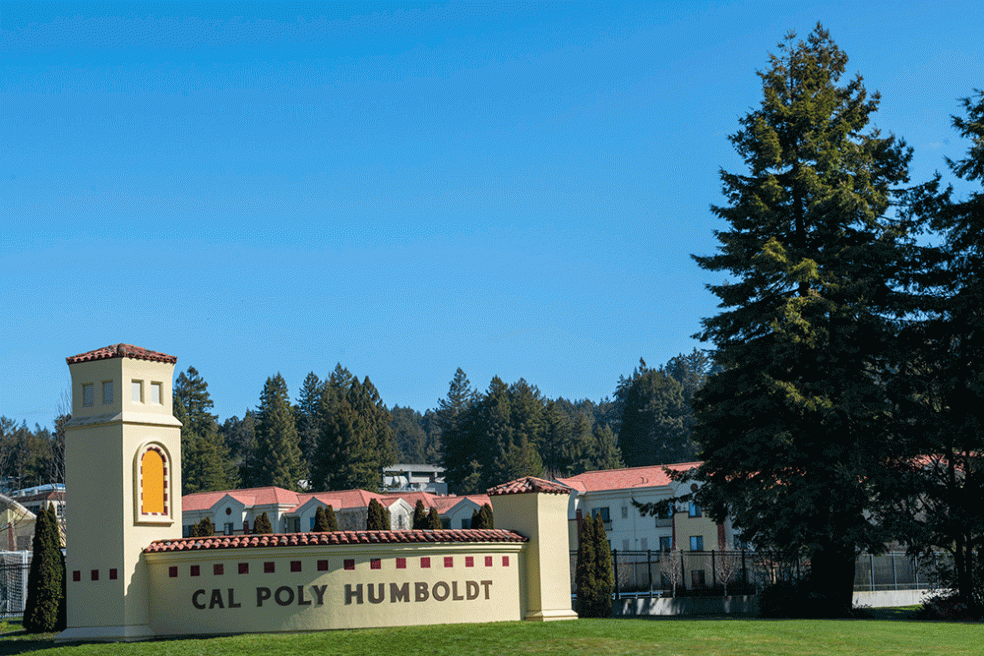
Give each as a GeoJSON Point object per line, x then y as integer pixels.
{"type": "Point", "coordinates": [132, 576]}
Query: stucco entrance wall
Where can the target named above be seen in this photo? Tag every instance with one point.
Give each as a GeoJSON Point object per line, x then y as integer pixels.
{"type": "Point", "coordinates": [342, 580]}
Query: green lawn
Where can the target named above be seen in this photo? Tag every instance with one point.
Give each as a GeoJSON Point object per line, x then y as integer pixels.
{"type": "Point", "coordinates": [670, 637]}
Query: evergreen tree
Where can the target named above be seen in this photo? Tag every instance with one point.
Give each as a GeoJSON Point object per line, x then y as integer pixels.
{"type": "Point", "coordinates": [593, 574]}
{"type": "Point", "coordinates": [203, 528]}
{"type": "Point", "coordinates": [306, 418]}
{"type": "Point", "coordinates": [376, 517]}
{"type": "Point", "coordinates": [278, 454]}
{"type": "Point", "coordinates": [604, 573]}
{"type": "Point", "coordinates": [433, 519]}
{"type": "Point", "coordinates": [205, 462]}
{"type": "Point", "coordinates": [794, 428]}
{"type": "Point", "coordinates": [46, 578]}
{"type": "Point", "coordinates": [409, 435]}
{"type": "Point", "coordinates": [486, 516]}
{"type": "Point", "coordinates": [607, 455]}
{"type": "Point", "coordinates": [239, 437]}
{"type": "Point", "coordinates": [653, 427]}
{"type": "Point", "coordinates": [330, 519]}
{"type": "Point", "coordinates": [320, 520]}
{"type": "Point", "coordinates": [419, 515]}
{"type": "Point", "coordinates": [262, 525]}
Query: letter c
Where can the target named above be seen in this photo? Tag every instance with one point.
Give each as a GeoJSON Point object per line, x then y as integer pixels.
{"type": "Point", "coordinates": [200, 605]}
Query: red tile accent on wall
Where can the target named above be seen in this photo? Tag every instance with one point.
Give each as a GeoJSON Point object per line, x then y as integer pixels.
{"type": "Point", "coordinates": [172, 572]}
{"type": "Point", "coordinates": [95, 575]}
{"type": "Point", "coordinates": [449, 561]}
{"type": "Point", "coordinates": [401, 563]}
{"type": "Point", "coordinates": [269, 567]}
{"type": "Point", "coordinates": [375, 563]}
{"type": "Point", "coordinates": [349, 564]}
{"type": "Point", "coordinates": [76, 575]}
{"type": "Point", "coordinates": [322, 565]}
{"type": "Point", "coordinates": [469, 561]}
{"type": "Point", "coordinates": [505, 561]}
{"type": "Point", "coordinates": [425, 563]}
{"type": "Point", "coordinates": [218, 569]}
{"type": "Point", "coordinates": [244, 568]}
{"type": "Point", "coordinates": [112, 574]}
{"type": "Point", "coordinates": [488, 561]}
{"type": "Point", "coordinates": [196, 570]}
{"type": "Point", "coordinates": [295, 566]}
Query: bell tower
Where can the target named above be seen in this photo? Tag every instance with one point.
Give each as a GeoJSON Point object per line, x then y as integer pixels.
{"type": "Point", "coordinates": [123, 487]}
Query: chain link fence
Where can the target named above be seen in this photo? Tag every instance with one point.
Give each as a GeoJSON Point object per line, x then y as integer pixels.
{"type": "Point", "coordinates": [724, 573]}
{"type": "Point", "coordinates": [14, 568]}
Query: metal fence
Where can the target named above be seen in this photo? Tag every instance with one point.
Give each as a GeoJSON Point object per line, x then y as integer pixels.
{"type": "Point", "coordinates": [14, 568]}
{"type": "Point", "coordinates": [713, 573]}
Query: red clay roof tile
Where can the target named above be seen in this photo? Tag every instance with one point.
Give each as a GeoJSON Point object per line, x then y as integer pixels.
{"type": "Point", "coordinates": [333, 538]}
{"type": "Point", "coordinates": [527, 485]}
{"type": "Point", "coordinates": [121, 351]}
{"type": "Point", "coordinates": [621, 479]}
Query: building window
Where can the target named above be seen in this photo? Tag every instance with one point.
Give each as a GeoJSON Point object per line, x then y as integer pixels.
{"type": "Point", "coordinates": [107, 392]}
{"type": "Point", "coordinates": [136, 391]}
{"type": "Point", "coordinates": [88, 394]}
{"type": "Point", "coordinates": [153, 484]}
{"type": "Point", "coordinates": [625, 544]}
{"type": "Point", "coordinates": [466, 523]}
{"type": "Point", "coordinates": [644, 544]}
{"type": "Point", "coordinates": [698, 579]}
{"type": "Point", "coordinates": [696, 542]}
{"type": "Point", "coordinates": [228, 528]}
{"type": "Point", "coordinates": [625, 512]}
{"type": "Point", "coordinates": [665, 543]}
{"type": "Point", "coordinates": [155, 393]}
{"type": "Point", "coordinates": [695, 510]}
{"type": "Point", "coordinates": [186, 530]}
{"type": "Point", "coordinates": [605, 515]}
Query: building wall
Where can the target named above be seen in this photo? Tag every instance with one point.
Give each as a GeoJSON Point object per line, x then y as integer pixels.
{"type": "Point", "coordinates": [337, 587]}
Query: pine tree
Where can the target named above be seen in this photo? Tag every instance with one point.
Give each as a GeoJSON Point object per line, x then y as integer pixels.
{"type": "Point", "coordinates": [433, 519]}
{"type": "Point", "coordinates": [794, 429]}
{"type": "Point", "coordinates": [278, 454]}
{"type": "Point", "coordinates": [43, 609]}
{"type": "Point", "coordinates": [330, 519]}
{"type": "Point", "coordinates": [205, 461]}
{"type": "Point", "coordinates": [306, 418]}
{"type": "Point", "coordinates": [653, 427]}
{"type": "Point", "coordinates": [419, 515]}
{"type": "Point", "coordinates": [320, 520]}
{"type": "Point", "coordinates": [262, 525]}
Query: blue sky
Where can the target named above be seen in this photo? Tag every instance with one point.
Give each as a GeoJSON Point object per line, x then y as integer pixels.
{"type": "Point", "coordinates": [404, 188]}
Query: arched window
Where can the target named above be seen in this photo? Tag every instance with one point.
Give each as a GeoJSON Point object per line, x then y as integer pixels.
{"type": "Point", "coordinates": [153, 484]}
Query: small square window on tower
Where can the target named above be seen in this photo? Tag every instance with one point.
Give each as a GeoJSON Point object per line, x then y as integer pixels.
{"type": "Point", "coordinates": [88, 394]}
{"type": "Point", "coordinates": [136, 391]}
{"type": "Point", "coordinates": [107, 392]}
{"type": "Point", "coordinates": [155, 394]}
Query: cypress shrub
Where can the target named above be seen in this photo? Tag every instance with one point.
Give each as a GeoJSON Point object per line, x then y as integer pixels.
{"type": "Point", "coordinates": [488, 519]}
{"type": "Point", "coordinates": [376, 519]}
{"type": "Point", "coordinates": [419, 515]}
{"type": "Point", "coordinates": [262, 525]}
{"type": "Point", "coordinates": [203, 528]}
{"type": "Point", "coordinates": [330, 517]}
{"type": "Point", "coordinates": [433, 519]}
{"type": "Point", "coordinates": [476, 520]}
{"type": "Point", "coordinates": [320, 520]}
{"type": "Point", "coordinates": [584, 575]}
{"type": "Point", "coordinates": [604, 576]}
{"type": "Point", "coordinates": [46, 578]}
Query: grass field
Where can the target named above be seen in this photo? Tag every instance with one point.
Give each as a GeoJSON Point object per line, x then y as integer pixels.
{"type": "Point", "coordinates": [670, 637]}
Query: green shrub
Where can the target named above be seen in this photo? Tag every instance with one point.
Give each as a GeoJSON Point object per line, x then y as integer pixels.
{"type": "Point", "coordinates": [44, 610]}
{"type": "Point", "coordinates": [419, 516]}
{"type": "Point", "coordinates": [262, 525]}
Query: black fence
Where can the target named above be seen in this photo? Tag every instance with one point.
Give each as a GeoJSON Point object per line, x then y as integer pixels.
{"type": "Point", "coordinates": [13, 586]}
{"type": "Point", "coordinates": [716, 573]}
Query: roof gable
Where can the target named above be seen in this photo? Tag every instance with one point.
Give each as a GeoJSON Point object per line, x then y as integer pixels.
{"type": "Point", "coordinates": [628, 478]}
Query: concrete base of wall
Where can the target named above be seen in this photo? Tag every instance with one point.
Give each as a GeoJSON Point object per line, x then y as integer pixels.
{"type": "Point", "coordinates": [891, 598]}
{"type": "Point", "coordinates": [744, 605]}
{"type": "Point", "coordinates": [106, 634]}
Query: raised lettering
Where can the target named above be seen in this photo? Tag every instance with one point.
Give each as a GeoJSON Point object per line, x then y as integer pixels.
{"type": "Point", "coordinates": [350, 594]}
{"type": "Point", "coordinates": [471, 590]}
{"type": "Point", "coordinates": [373, 599]}
{"type": "Point", "coordinates": [399, 592]}
{"type": "Point", "coordinates": [232, 599]}
{"type": "Point", "coordinates": [279, 598]}
{"type": "Point", "coordinates": [262, 594]}
{"type": "Point", "coordinates": [319, 592]}
{"type": "Point", "coordinates": [420, 591]}
{"type": "Point", "coordinates": [440, 596]}
{"type": "Point", "coordinates": [486, 585]}
{"type": "Point", "coordinates": [454, 592]}
{"type": "Point", "coordinates": [300, 597]}
{"type": "Point", "coordinates": [200, 605]}
{"type": "Point", "coordinates": [216, 600]}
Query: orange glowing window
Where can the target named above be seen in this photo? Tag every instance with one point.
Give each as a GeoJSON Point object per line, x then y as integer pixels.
{"type": "Point", "coordinates": [152, 479]}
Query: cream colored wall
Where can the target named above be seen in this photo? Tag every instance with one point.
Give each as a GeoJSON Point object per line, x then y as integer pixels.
{"type": "Point", "coordinates": [547, 577]}
{"type": "Point", "coordinates": [687, 526]}
{"type": "Point", "coordinates": [479, 593]}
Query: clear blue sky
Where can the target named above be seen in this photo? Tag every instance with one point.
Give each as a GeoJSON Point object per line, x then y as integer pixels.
{"type": "Point", "coordinates": [404, 188]}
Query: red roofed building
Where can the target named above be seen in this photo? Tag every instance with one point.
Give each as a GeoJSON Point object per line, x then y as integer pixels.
{"type": "Point", "coordinates": [610, 493]}
{"type": "Point", "coordinates": [232, 511]}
